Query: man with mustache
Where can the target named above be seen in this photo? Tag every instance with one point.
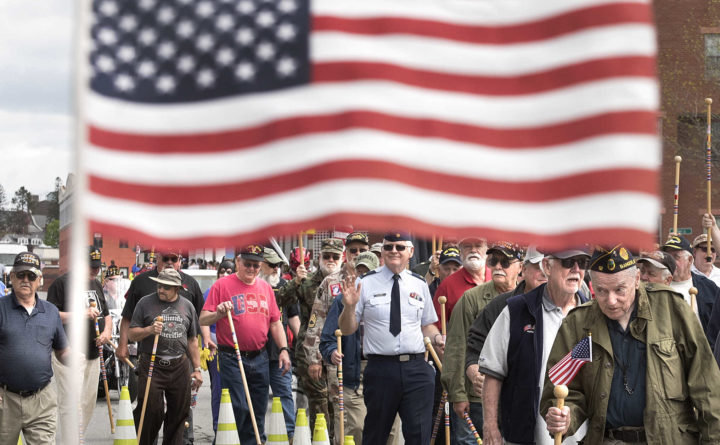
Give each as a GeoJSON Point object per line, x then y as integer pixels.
{"type": "Point", "coordinates": [505, 262]}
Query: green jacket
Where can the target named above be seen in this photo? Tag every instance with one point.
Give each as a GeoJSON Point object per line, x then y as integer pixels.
{"type": "Point", "coordinates": [466, 310]}
{"type": "Point", "coordinates": [303, 293]}
{"type": "Point", "coordinates": [681, 371]}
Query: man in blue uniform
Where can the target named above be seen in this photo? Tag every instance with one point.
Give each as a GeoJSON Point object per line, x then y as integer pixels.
{"type": "Point", "coordinates": [397, 311]}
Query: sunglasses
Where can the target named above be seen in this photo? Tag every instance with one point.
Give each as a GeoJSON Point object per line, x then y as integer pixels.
{"type": "Point", "coordinates": [704, 249]}
{"type": "Point", "coordinates": [226, 271]}
{"type": "Point", "coordinates": [170, 259]}
{"type": "Point", "coordinates": [273, 265]}
{"type": "Point", "coordinates": [390, 247]}
{"type": "Point", "coordinates": [26, 274]}
{"type": "Point", "coordinates": [494, 260]}
{"type": "Point", "coordinates": [166, 286]}
{"type": "Point", "coordinates": [354, 250]}
{"type": "Point", "coordinates": [250, 265]}
{"type": "Point", "coordinates": [334, 256]}
{"type": "Point", "coordinates": [568, 263]}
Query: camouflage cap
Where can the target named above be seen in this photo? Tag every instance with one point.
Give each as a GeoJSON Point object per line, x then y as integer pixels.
{"type": "Point", "coordinates": [367, 259]}
{"type": "Point", "coordinates": [613, 260]}
{"type": "Point", "coordinates": [334, 245]}
{"type": "Point", "coordinates": [357, 237]}
{"type": "Point", "coordinates": [271, 256]}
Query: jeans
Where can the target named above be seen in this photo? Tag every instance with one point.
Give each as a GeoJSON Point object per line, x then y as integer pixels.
{"type": "Point", "coordinates": [258, 379]}
{"type": "Point", "coordinates": [462, 434]}
{"type": "Point", "coordinates": [282, 387]}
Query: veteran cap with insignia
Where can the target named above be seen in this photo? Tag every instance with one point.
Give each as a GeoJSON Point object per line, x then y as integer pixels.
{"type": "Point", "coordinates": [367, 259]}
{"type": "Point", "coordinates": [357, 237]}
{"type": "Point", "coordinates": [675, 243]}
{"type": "Point", "coordinates": [612, 260]}
{"type": "Point", "coordinates": [252, 252]}
{"type": "Point", "coordinates": [112, 271]}
{"type": "Point", "coordinates": [334, 245]}
{"type": "Point", "coordinates": [659, 259]}
{"type": "Point", "coordinates": [27, 261]}
{"type": "Point", "coordinates": [95, 257]}
{"type": "Point", "coordinates": [510, 250]}
{"type": "Point", "coordinates": [397, 235]}
{"type": "Point", "coordinates": [450, 254]}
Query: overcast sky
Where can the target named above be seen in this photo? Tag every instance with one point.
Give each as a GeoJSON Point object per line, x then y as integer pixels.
{"type": "Point", "coordinates": [35, 93]}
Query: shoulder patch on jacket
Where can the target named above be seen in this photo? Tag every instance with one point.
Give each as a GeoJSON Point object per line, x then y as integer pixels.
{"type": "Point", "coordinates": [372, 272]}
{"type": "Point", "coordinates": [417, 276]}
{"type": "Point", "coordinates": [313, 320]}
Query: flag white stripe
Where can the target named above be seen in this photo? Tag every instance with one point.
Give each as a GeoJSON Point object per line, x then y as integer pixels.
{"type": "Point", "coordinates": [543, 163]}
{"type": "Point", "coordinates": [474, 12]}
{"type": "Point", "coordinates": [559, 106]}
{"type": "Point", "coordinates": [632, 210]}
{"type": "Point", "coordinates": [558, 367]}
{"type": "Point", "coordinates": [446, 56]}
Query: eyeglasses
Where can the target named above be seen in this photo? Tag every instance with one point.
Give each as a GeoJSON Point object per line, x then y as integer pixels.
{"type": "Point", "coordinates": [272, 265]}
{"type": "Point", "coordinates": [26, 274]}
{"type": "Point", "coordinates": [398, 247]}
{"type": "Point", "coordinates": [568, 263]}
{"type": "Point", "coordinates": [226, 271]}
{"type": "Point", "coordinates": [170, 258]}
{"type": "Point", "coordinates": [251, 265]}
{"type": "Point", "coordinates": [166, 286]}
{"type": "Point", "coordinates": [334, 256]}
{"type": "Point", "coordinates": [355, 250]}
{"type": "Point", "coordinates": [704, 249]}
{"type": "Point", "coordinates": [495, 259]}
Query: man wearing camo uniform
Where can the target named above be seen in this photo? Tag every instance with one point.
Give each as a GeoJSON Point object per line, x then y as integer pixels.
{"type": "Point", "coordinates": [303, 289]}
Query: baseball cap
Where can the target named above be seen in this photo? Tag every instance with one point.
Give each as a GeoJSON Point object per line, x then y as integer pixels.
{"type": "Point", "coordinates": [357, 237]}
{"type": "Point", "coordinates": [377, 247]}
{"type": "Point", "coordinates": [334, 245]}
{"type": "Point", "coordinates": [95, 257]}
{"type": "Point", "coordinates": [676, 242]}
{"type": "Point", "coordinates": [659, 259]}
{"type": "Point", "coordinates": [27, 261]}
{"type": "Point", "coordinates": [510, 250]}
{"type": "Point", "coordinates": [699, 240]}
{"type": "Point", "coordinates": [450, 254]}
{"type": "Point", "coordinates": [367, 259]}
{"type": "Point", "coordinates": [252, 252]}
{"type": "Point", "coordinates": [270, 256]}
{"type": "Point", "coordinates": [569, 253]}
{"type": "Point", "coordinates": [533, 255]}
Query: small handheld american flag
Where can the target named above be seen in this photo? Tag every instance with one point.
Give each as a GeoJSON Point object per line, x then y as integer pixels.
{"type": "Point", "coordinates": [566, 369]}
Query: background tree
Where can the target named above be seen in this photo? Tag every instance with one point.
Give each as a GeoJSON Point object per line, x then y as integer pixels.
{"type": "Point", "coordinates": [54, 199]}
{"type": "Point", "coordinates": [18, 218]}
{"type": "Point", "coordinates": [52, 233]}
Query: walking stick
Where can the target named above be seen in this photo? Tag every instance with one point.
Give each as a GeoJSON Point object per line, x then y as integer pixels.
{"type": "Point", "coordinates": [149, 380]}
{"type": "Point", "coordinates": [126, 360]}
{"type": "Point", "coordinates": [708, 159]}
{"type": "Point", "coordinates": [447, 422]}
{"type": "Point", "coordinates": [693, 299]}
{"type": "Point", "coordinates": [300, 246]}
{"type": "Point", "coordinates": [438, 416]}
{"type": "Point", "coordinates": [104, 373]}
{"type": "Point", "coordinates": [341, 401]}
{"type": "Point", "coordinates": [678, 160]}
{"type": "Point", "coordinates": [560, 392]}
{"type": "Point", "coordinates": [244, 379]}
{"type": "Point", "coordinates": [434, 246]}
{"type": "Point", "coordinates": [472, 428]}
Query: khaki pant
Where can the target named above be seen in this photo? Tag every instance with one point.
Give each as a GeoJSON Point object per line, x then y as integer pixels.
{"type": "Point", "coordinates": [607, 441]}
{"type": "Point", "coordinates": [88, 390]}
{"type": "Point", "coordinates": [35, 416]}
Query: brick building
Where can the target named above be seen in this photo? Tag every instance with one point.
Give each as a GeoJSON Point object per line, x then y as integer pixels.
{"type": "Point", "coordinates": [689, 71]}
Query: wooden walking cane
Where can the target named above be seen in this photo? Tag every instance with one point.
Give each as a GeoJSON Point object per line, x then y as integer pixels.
{"type": "Point", "coordinates": [244, 379]}
{"type": "Point", "coordinates": [438, 416]}
{"type": "Point", "coordinates": [473, 430]}
{"type": "Point", "coordinates": [560, 392]}
{"type": "Point", "coordinates": [104, 373]}
{"type": "Point", "coordinates": [126, 360]}
{"type": "Point", "coordinates": [300, 246]}
{"type": "Point", "coordinates": [693, 299]}
{"type": "Point", "coordinates": [678, 160]}
{"type": "Point", "coordinates": [149, 380]}
{"type": "Point", "coordinates": [447, 422]}
{"type": "Point", "coordinates": [341, 401]}
{"type": "Point", "coordinates": [434, 246]}
{"type": "Point", "coordinates": [708, 159]}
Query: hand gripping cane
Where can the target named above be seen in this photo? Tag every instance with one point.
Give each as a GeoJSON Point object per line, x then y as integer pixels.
{"type": "Point", "coordinates": [560, 392]}
{"type": "Point", "coordinates": [104, 373]}
{"type": "Point", "coordinates": [244, 379]}
{"type": "Point", "coordinates": [708, 161]}
{"type": "Point", "coordinates": [149, 380]}
{"type": "Point", "coordinates": [341, 401]}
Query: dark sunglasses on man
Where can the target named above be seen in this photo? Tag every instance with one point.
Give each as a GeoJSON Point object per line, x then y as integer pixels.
{"type": "Point", "coordinates": [355, 250]}
{"type": "Point", "coordinates": [334, 256]}
{"type": "Point", "coordinates": [704, 249]}
{"type": "Point", "coordinates": [166, 286]}
{"type": "Point", "coordinates": [31, 276]}
{"type": "Point", "coordinates": [251, 265]}
{"type": "Point", "coordinates": [170, 258]}
{"type": "Point", "coordinates": [398, 247]}
{"type": "Point", "coordinates": [568, 263]}
{"type": "Point", "coordinates": [495, 259]}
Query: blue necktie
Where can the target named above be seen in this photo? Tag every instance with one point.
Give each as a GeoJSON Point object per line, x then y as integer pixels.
{"type": "Point", "coordinates": [395, 307]}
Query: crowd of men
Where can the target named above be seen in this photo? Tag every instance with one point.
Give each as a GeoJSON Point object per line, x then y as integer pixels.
{"type": "Point", "coordinates": [510, 312]}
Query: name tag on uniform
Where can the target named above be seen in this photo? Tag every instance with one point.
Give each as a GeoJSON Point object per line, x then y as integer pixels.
{"type": "Point", "coordinates": [379, 295]}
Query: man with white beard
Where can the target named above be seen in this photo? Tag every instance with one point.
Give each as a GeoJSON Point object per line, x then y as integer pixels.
{"type": "Point", "coordinates": [303, 289]}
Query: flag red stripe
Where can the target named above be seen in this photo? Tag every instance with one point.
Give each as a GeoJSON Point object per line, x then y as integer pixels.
{"type": "Point", "coordinates": [380, 223]}
{"type": "Point", "coordinates": [546, 28]}
{"type": "Point", "coordinates": [622, 180]}
{"type": "Point", "coordinates": [631, 122]}
{"type": "Point", "coordinates": [487, 85]}
{"type": "Point", "coordinates": [559, 365]}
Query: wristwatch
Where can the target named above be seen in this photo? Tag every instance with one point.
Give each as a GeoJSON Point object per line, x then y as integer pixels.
{"type": "Point", "coordinates": [285, 348]}
{"type": "Point", "coordinates": [198, 369]}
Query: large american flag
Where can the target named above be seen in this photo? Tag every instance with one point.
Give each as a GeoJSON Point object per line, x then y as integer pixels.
{"type": "Point", "coordinates": [566, 369]}
{"type": "Point", "coordinates": [216, 122]}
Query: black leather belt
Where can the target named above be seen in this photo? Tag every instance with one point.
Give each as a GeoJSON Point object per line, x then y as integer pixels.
{"type": "Point", "coordinates": [26, 393]}
{"type": "Point", "coordinates": [395, 358]}
{"type": "Point", "coordinates": [164, 363]}
{"type": "Point", "coordinates": [243, 354]}
{"type": "Point", "coordinates": [626, 435]}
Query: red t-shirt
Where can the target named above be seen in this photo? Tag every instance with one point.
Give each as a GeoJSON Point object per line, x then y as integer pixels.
{"type": "Point", "coordinates": [255, 309]}
{"type": "Point", "coordinates": [453, 287]}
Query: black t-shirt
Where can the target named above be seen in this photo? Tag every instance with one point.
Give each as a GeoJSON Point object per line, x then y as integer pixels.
{"type": "Point", "coordinates": [179, 324]}
{"type": "Point", "coordinates": [57, 295]}
{"type": "Point", "coordinates": [286, 313]}
{"type": "Point", "coordinates": [142, 285]}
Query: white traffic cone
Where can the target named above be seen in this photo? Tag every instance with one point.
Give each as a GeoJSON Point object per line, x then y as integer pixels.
{"type": "Point", "coordinates": [277, 432]}
{"type": "Point", "coordinates": [227, 429]}
{"type": "Point", "coordinates": [125, 426]}
{"type": "Point", "coordinates": [320, 435]}
{"type": "Point", "coordinates": [302, 429]}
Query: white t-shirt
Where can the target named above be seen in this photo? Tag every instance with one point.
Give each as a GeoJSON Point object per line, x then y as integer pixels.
{"type": "Point", "coordinates": [683, 287]}
{"type": "Point", "coordinates": [714, 273]}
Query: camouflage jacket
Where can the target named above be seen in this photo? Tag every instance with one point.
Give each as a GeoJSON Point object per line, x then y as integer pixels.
{"type": "Point", "coordinates": [329, 289]}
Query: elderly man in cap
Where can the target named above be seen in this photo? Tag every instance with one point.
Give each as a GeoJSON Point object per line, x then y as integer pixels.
{"type": "Point", "coordinates": [442, 267]}
{"type": "Point", "coordinates": [377, 250]}
{"type": "Point", "coordinates": [254, 312]}
{"type": "Point", "coordinates": [700, 263]}
{"type": "Point", "coordinates": [505, 262]}
{"type": "Point", "coordinates": [303, 289]}
{"type": "Point", "coordinates": [30, 329]}
{"type": "Point", "coordinates": [683, 279]}
{"type": "Point", "coordinates": [59, 295]}
{"type": "Point", "coordinates": [651, 379]}
{"type": "Point", "coordinates": [394, 305]}
{"type": "Point", "coordinates": [532, 277]}
{"type": "Point", "coordinates": [355, 244]}
{"type": "Point", "coordinates": [656, 267]}
{"type": "Point", "coordinates": [514, 356]}
{"type": "Point", "coordinates": [177, 352]}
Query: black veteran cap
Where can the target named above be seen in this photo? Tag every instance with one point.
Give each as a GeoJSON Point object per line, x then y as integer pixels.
{"type": "Point", "coordinates": [450, 254]}
{"type": "Point", "coordinates": [27, 261]}
{"type": "Point", "coordinates": [357, 237]}
{"type": "Point", "coordinates": [95, 257]}
{"type": "Point", "coordinates": [395, 236]}
{"type": "Point", "coordinates": [252, 252]}
{"type": "Point", "coordinates": [677, 242]}
{"type": "Point", "coordinates": [613, 260]}
{"type": "Point", "coordinates": [510, 250]}
{"type": "Point", "coordinates": [113, 271]}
